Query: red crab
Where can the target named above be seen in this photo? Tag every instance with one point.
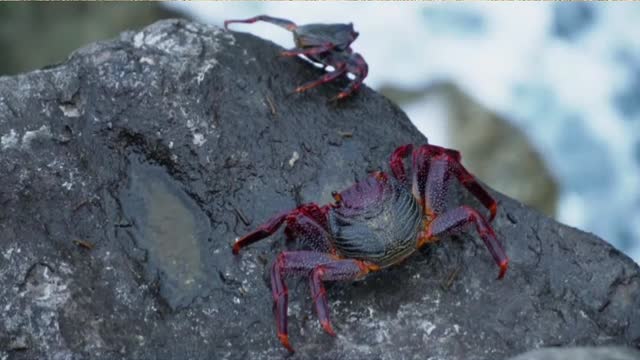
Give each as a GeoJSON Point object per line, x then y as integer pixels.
{"type": "Point", "coordinates": [373, 224]}
{"type": "Point", "coordinates": [327, 44]}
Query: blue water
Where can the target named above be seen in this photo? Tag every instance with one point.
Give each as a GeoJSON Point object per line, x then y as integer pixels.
{"type": "Point", "coordinates": [568, 74]}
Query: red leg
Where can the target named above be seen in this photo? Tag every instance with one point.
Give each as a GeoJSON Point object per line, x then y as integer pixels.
{"type": "Point", "coordinates": [312, 212]}
{"type": "Point", "coordinates": [319, 267]}
{"type": "Point", "coordinates": [289, 25]}
{"type": "Point", "coordinates": [437, 184]}
{"type": "Point", "coordinates": [436, 150]}
{"type": "Point", "coordinates": [423, 156]}
{"type": "Point", "coordinates": [461, 216]}
{"type": "Point", "coordinates": [420, 169]}
{"type": "Point", "coordinates": [358, 67]}
{"type": "Point", "coordinates": [310, 227]}
{"type": "Point", "coordinates": [261, 232]}
{"type": "Point", "coordinates": [347, 269]}
{"type": "Point", "coordinates": [326, 78]}
{"type": "Point", "coordinates": [397, 162]}
{"type": "Point", "coordinates": [470, 182]}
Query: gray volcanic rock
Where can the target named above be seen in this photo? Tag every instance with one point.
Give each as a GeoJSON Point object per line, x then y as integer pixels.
{"type": "Point", "coordinates": [581, 353]}
{"type": "Point", "coordinates": [127, 172]}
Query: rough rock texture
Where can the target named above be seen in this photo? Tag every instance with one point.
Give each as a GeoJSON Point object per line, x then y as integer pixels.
{"type": "Point", "coordinates": [128, 171]}
{"type": "Point", "coordinates": [581, 353]}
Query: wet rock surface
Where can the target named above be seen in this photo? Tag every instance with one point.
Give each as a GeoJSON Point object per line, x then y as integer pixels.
{"type": "Point", "coordinates": [128, 171]}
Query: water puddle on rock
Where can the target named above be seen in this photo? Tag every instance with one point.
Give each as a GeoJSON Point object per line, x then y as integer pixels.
{"type": "Point", "coordinates": [173, 231]}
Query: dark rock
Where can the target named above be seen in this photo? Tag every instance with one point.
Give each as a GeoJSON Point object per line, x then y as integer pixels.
{"type": "Point", "coordinates": [128, 171]}
{"type": "Point", "coordinates": [581, 353]}
{"type": "Point", "coordinates": [18, 343]}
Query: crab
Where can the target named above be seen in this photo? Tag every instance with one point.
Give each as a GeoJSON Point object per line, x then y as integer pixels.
{"type": "Point", "coordinates": [326, 44]}
{"type": "Point", "coordinates": [375, 223]}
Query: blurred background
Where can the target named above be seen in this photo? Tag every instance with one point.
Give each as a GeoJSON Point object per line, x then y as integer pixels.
{"type": "Point", "coordinates": [543, 99]}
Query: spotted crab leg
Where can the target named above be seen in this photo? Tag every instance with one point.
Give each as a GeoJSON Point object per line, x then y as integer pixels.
{"type": "Point", "coordinates": [420, 171]}
{"type": "Point", "coordinates": [348, 269]}
{"type": "Point", "coordinates": [287, 24]}
{"type": "Point", "coordinates": [421, 160]}
{"type": "Point", "coordinates": [261, 232]}
{"type": "Point", "coordinates": [442, 222]}
{"type": "Point", "coordinates": [326, 78]}
{"type": "Point", "coordinates": [470, 182]}
{"type": "Point", "coordinates": [461, 216]}
{"type": "Point", "coordinates": [308, 217]}
{"type": "Point", "coordinates": [396, 163]}
{"type": "Point", "coordinates": [359, 68]}
{"type": "Point", "coordinates": [310, 226]}
{"type": "Point", "coordinates": [467, 179]}
{"type": "Point", "coordinates": [437, 184]}
{"type": "Point", "coordinates": [319, 267]}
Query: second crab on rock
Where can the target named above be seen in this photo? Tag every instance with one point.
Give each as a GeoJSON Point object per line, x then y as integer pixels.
{"type": "Point", "coordinates": [326, 44]}
{"type": "Point", "coordinates": [373, 224]}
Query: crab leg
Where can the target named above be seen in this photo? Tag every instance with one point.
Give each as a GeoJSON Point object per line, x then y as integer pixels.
{"type": "Point", "coordinates": [353, 86]}
{"type": "Point", "coordinates": [467, 179]}
{"type": "Point", "coordinates": [348, 269]}
{"type": "Point", "coordinates": [397, 162]}
{"type": "Point", "coordinates": [289, 25]}
{"type": "Point", "coordinates": [312, 212]}
{"type": "Point", "coordinates": [421, 167]}
{"type": "Point", "coordinates": [461, 216]}
{"type": "Point", "coordinates": [470, 182]}
{"type": "Point", "coordinates": [326, 78]}
{"type": "Point", "coordinates": [319, 267]}
{"type": "Point", "coordinates": [437, 150]}
{"type": "Point", "coordinates": [261, 232]}
{"type": "Point", "coordinates": [442, 222]}
{"type": "Point", "coordinates": [310, 227]}
{"type": "Point", "coordinates": [358, 67]}
{"type": "Point", "coordinates": [437, 184]}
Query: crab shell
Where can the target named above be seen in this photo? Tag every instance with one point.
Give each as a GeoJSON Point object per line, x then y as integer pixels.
{"type": "Point", "coordinates": [377, 220]}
